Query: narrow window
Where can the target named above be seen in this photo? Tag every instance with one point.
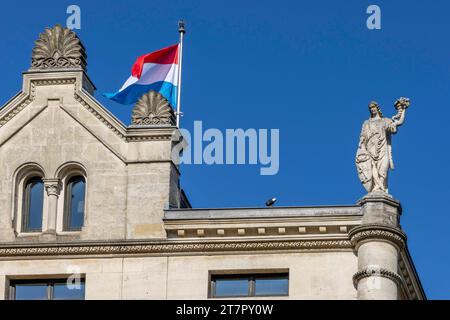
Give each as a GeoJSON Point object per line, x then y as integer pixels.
{"type": "Point", "coordinates": [47, 289]}
{"type": "Point", "coordinates": [249, 285]}
{"type": "Point", "coordinates": [33, 205]}
{"type": "Point", "coordinates": [74, 207]}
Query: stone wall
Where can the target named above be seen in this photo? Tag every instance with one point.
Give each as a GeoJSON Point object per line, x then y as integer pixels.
{"type": "Point", "coordinates": [312, 275]}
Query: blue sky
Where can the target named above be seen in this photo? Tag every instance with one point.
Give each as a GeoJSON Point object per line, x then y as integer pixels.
{"type": "Point", "coordinates": [308, 68]}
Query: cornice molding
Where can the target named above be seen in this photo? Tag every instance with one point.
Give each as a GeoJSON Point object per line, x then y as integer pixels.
{"type": "Point", "coordinates": [105, 121]}
{"type": "Point", "coordinates": [13, 112]}
{"type": "Point", "coordinates": [368, 232]}
{"type": "Point", "coordinates": [166, 247]}
{"type": "Point", "coordinates": [54, 82]}
{"type": "Point", "coordinates": [131, 134]}
{"type": "Point", "coordinates": [259, 228]}
{"type": "Point", "coordinates": [411, 284]}
{"type": "Point", "coordinates": [148, 138]}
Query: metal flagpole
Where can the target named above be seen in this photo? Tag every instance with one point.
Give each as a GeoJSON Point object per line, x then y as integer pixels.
{"type": "Point", "coordinates": [182, 31]}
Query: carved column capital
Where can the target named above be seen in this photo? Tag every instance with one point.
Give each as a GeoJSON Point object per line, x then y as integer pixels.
{"type": "Point", "coordinates": [52, 186]}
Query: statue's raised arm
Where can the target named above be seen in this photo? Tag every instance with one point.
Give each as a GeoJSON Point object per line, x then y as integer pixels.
{"type": "Point", "coordinates": [401, 104]}
{"type": "Point", "coordinates": [374, 155]}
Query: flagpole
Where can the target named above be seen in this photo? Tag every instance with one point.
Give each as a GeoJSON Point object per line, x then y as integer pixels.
{"type": "Point", "coordinates": [182, 31]}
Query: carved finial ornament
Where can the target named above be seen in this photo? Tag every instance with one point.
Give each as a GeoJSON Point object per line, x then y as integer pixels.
{"type": "Point", "coordinates": [153, 109]}
{"type": "Point", "coordinates": [58, 48]}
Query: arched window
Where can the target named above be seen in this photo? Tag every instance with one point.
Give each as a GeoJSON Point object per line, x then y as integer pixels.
{"type": "Point", "coordinates": [74, 203]}
{"type": "Point", "coordinates": [33, 205]}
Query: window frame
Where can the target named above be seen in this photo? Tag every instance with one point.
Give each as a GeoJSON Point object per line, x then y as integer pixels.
{"type": "Point", "coordinates": [49, 283]}
{"type": "Point", "coordinates": [251, 283]}
{"type": "Point", "coordinates": [67, 211]}
{"type": "Point", "coordinates": [26, 199]}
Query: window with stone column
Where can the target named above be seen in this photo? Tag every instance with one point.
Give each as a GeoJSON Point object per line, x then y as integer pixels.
{"type": "Point", "coordinates": [33, 204]}
{"type": "Point", "coordinates": [72, 202]}
{"type": "Point", "coordinates": [29, 205]}
{"type": "Point", "coordinates": [53, 189]}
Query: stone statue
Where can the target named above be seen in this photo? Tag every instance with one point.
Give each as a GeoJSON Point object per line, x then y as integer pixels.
{"type": "Point", "coordinates": [374, 155]}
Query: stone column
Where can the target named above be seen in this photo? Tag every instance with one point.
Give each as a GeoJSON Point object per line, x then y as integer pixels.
{"type": "Point", "coordinates": [53, 188]}
{"type": "Point", "coordinates": [378, 242]}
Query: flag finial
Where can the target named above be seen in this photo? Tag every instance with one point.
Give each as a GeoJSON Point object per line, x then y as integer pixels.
{"type": "Point", "coordinates": [181, 26]}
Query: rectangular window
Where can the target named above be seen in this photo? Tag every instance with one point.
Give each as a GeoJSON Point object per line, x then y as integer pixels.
{"type": "Point", "coordinates": [249, 285]}
{"type": "Point", "coordinates": [48, 289]}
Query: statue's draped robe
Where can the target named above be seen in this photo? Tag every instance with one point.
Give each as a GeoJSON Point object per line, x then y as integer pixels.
{"type": "Point", "coordinates": [374, 155]}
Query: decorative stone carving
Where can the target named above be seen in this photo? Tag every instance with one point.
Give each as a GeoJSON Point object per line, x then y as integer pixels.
{"type": "Point", "coordinates": [377, 232]}
{"type": "Point", "coordinates": [151, 247]}
{"type": "Point", "coordinates": [58, 48]}
{"type": "Point", "coordinates": [374, 155]}
{"type": "Point", "coordinates": [376, 272]}
{"type": "Point", "coordinates": [52, 186]}
{"type": "Point", "coordinates": [153, 109]}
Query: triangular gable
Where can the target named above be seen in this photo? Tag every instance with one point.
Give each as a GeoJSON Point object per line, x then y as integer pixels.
{"type": "Point", "coordinates": [70, 88]}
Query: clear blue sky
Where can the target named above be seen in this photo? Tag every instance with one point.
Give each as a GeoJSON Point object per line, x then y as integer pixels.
{"type": "Point", "coordinates": [308, 68]}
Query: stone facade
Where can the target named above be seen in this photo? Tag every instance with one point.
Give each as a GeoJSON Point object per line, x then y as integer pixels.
{"type": "Point", "coordinates": [140, 239]}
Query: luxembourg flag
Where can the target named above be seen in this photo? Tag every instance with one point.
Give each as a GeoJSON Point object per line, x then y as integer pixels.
{"type": "Point", "coordinates": [156, 71]}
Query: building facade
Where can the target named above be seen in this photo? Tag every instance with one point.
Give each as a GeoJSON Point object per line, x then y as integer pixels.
{"type": "Point", "coordinates": [90, 202]}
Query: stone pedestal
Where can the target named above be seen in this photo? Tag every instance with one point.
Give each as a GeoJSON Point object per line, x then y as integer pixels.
{"type": "Point", "coordinates": [378, 242]}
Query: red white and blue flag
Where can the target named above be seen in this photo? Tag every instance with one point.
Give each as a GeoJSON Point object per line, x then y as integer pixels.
{"type": "Point", "coordinates": [156, 71]}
